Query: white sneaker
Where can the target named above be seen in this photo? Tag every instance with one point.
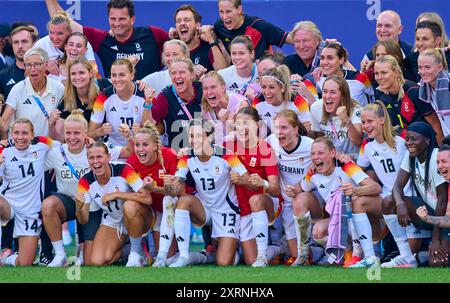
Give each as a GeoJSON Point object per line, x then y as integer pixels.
{"type": "Point", "coordinates": [58, 261]}
{"type": "Point", "coordinates": [366, 262]}
{"type": "Point", "coordinates": [160, 262]}
{"type": "Point", "coordinates": [400, 262]}
{"type": "Point", "coordinates": [10, 260]}
{"type": "Point", "coordinates": [260, 262]}
{"type": "Point", "coordinates": [136, 260]}
{"type": "Point", "coordinates": [180, 262]}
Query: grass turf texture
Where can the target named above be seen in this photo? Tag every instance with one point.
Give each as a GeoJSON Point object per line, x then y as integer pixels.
{"type": "Point", "coordinates": [214, 274]}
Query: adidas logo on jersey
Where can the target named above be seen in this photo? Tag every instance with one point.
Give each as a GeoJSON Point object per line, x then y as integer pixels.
{"type": "Point", "coordinates": [321, 186]}
{"type": "Point", "coordinates": [180, 239]}
{"type": "Point", "coordinates": [231, 231]}
{"type": "Point", "coordinates": [113, 109]}
{"type": "Point", "coordinates": [375, 154]}
{"type": "Point", "coordinates": [14, 159]}
{"type": "Point", "coordinates": [196, 171]}
{"type": "Point", "coordinates": [27, 101]}
{"type": "Point", "coordinates": [11, 82]}
{"type": "Point", "coordinates": [64, 164]}
{"type": "Point", "coordinates": [234, 86]}
{"type": "Point", "coordinates": [114, 47]}
{"type": "Point", "coordinates": [180, 113]}
{"type": "Point", "coordinates": [165, 237]}
{"type": "Point", "coordinates": [260, 235]}
{"type": "Point", "coordinates": [267, 115]}
{"type": "Point", "coordinates": [96, 196]}
{"type": "Point", "coordinates": [362, 237]}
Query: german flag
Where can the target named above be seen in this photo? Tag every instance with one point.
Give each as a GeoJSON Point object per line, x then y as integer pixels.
{"type": "Point", "coordinates": [99, 103]}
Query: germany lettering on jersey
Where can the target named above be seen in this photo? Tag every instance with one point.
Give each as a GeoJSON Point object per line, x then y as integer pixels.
{"type": "Point", "coordinates": [145, 43]}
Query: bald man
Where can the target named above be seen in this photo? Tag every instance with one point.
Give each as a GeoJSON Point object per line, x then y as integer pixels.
{"type": "Point", "coordinates": [389, 27]}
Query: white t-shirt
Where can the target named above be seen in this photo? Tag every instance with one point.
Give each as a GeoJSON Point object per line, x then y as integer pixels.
{"type": "Point", "coordinates": [23, 174]}
{"type": "Point", "coordinates": [212, 178]}
{"type": "Point", "coordinates": [292, 165]}
{"type": "Point", "coordinates": [66, 182]}
{"type": "Point", "coordinates": [234, 82]}
{"type": "Point", "coordinates": [55, 53]}
{"type": "Point", "coordinates": [327, 185]}
{"type": "Point", "coordinates": [332, 128]}
{"type": "Point", "coordinates": [158, 80]}
{"type": "Point", "coordinates": [434, 178]}
{"type": "Point", "coordinates": [22, 99]}
{"type": "Point", "coordinates": [384, 160]}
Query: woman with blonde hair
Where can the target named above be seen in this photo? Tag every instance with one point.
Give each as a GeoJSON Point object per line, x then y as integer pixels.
{"type": "Point", "coordinates": [401, 97]}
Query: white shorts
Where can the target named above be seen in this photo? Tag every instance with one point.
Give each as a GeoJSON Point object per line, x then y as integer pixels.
{"type": "Point", "coordinates": [224, 224]}
{"type": "Point", "coordinates": [413, 233]}
{"type": "Point", "coordinates": [25, 225]}
{"type": "Point", "coordinates": [287, 217]}
{"type": "Point", "coordinates": [114, 223]}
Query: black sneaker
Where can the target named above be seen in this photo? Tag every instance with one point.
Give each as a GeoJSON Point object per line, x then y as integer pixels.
{"type": "Point", "coordinates": [388, 256]}
{"type": "Point", "coordinates": [45, 259]}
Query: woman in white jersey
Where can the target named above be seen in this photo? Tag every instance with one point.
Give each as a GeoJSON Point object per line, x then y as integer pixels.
{"type": "Point", "coordinates": [216, 200]}
{"type": "Point", "coordinates": [434, 86]}
{"type": "Point", "coordinates": [219, 106]}
{"type": "Point", "coordinates": [70, 163]}
{"type": "Point", "coordinates": [328, 178]}
{"type": "Point", "coordinates": [22, 168]}
{"type": "Point", "coordinates": [243, 72]}
{"type": "Point", "coordinates": [338, 116]}
{"type": "Point", "coordinates": [384, 151]}
{"type": "Point", "coordinates": [122, 103]}
{"type": "Point", "coordinates": [111, 186]}
{"type": "Point", "coordinates": [292, 147]}
{"type": "Point", "coordinates": [278, 95]}
{"type": "Point", "coordinates": [428, 189]}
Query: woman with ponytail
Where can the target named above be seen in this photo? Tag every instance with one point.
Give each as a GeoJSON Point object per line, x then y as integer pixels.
{"type": "Point", "coordinates": [154, 161]}
{"type": "Point", "coordinates": [383, 151]}
{"type": "Point", "coordinates": [70, 163]}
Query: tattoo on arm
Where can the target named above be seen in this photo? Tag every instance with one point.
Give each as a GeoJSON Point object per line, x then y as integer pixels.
{"type": "Point", "coordinates": [439, 221]}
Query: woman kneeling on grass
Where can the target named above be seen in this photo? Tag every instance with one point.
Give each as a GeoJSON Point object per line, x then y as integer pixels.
{"type": "Point", "coordinates": [116, 189]}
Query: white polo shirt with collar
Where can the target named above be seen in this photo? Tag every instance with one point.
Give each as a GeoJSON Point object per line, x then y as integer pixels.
{"type": "Point", "coordinates": [22, 100]}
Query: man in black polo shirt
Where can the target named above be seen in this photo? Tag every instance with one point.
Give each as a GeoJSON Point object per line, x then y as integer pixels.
{"type": "Point", "coordinates": [233, 23]}
{"type": "Point", "coordinates": [22, 38]}
{"type": "Point", "coordinates": [123, 39]}
{"type": "Point", "coordinates": [204, 48]}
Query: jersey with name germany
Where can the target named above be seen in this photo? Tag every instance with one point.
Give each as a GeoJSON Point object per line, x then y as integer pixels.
{"type": "Point", "coordinates": [327, 185]}
{"type": "Point", "coordinates": [23, 174]}
{"type": "Point", "coordinates": [145, 42]}
{"type": "Point", "coordinates": [110, 108]}
{"type": "Point", "coordinates": [212, 178]}
{"type": "Point", "coordinates": [292, 165]}
{"type": "Point", "coordinates": [123, 179]}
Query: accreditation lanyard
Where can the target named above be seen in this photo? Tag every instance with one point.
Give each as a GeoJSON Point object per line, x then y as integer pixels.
{"type": "Point", "coordinates": [182, 104]}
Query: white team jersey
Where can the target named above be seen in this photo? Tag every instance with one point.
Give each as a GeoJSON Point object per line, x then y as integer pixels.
{"type": "Point", "coordinates": [66, 181]}
{"type": "Point", "coordinates": [234, 82]}
{"type": "Point", "coordinates": [55, 53]}
{"type": "Point", "coordinates": [333, 129]}
{"type": "Point", "coordinates": [434, 178]}
{"type": "Point", "coordinates": [384, 160]}
{"type": "Point", "coordinates": [158, 80]}
{"type": "Point", "coordinates": [22, 99]}
{"type": "Point", "coordinates": [116, 112]}
{"type": "Point", "coordinates": [327, 185]}
{"type": "Point", "coordinates": [123, 179]}
{"type": "Point", "coordinates": [268, 111]}
{"type": "Point", "coordinates": [23, 174]}
{"type": "Point", "coordinates": [212, 179]}
{"type": "Point", "coordinates": [292, 165]}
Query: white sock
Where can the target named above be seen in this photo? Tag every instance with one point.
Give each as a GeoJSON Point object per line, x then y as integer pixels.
{"type": "Point", "coordinates": [58, 246]}
{"type": "Point", "coordinates": [166, 229]}
{"type": "Point", "coordinates": [364, 231]}
{"type": "Point", "coordinates": [303, 231]}
{"type": "Point", "coordinates": [136, 245]}
{"type": "Point", "coordinates": [356, 251]}
{"type": "Point", "coordinates": [196, 257]}
{"type": "Point", "coordinates": [260, 224]}
{"type": "Point", "coordinates": [182, 225]}
{"type": "Point", "coordinates": [11, 260]}
{"type": "Point", "coordinates": [399, 234]}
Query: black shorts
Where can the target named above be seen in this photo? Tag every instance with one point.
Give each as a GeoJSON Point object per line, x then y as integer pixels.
{"type": "Point", "coordinates": [417, 201]}
{"type": "Point", "coordinates": [86, 232]}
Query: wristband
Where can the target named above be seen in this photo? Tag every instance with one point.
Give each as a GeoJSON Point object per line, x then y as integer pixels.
{"type": "Point", "coordinates": [266, 184]}
{"type": "Point", "coordinates": [216, 42]}
{"type": "Point", "coordinates": [149, 106]}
